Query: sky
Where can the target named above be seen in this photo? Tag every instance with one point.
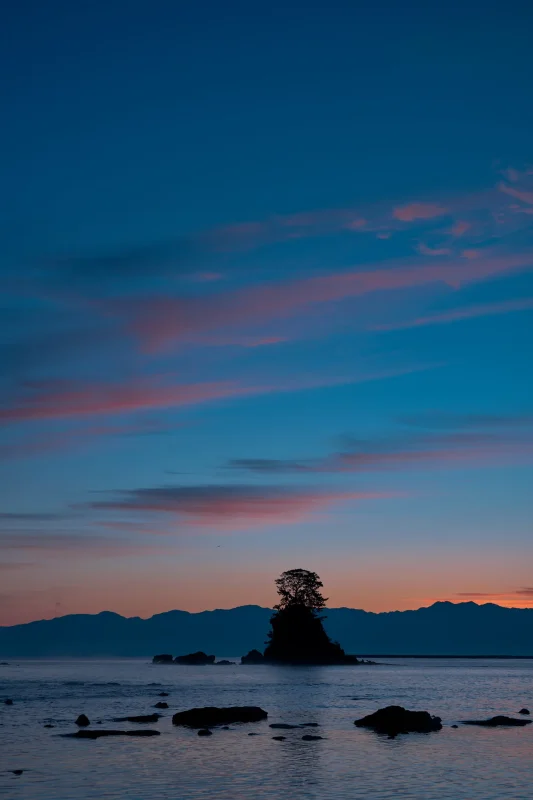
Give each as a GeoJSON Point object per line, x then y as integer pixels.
{"type": "Point", "coordinates": [267, 302]}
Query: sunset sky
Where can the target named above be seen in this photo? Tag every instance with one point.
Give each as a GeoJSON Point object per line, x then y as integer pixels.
{"type": "Point", "coordinates": [267, 281]}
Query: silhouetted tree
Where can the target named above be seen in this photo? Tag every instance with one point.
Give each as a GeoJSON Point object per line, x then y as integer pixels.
{"type": "Point", "coordinates": [300, 587]}
{"type": "Point", "coordinates": [298, 636]}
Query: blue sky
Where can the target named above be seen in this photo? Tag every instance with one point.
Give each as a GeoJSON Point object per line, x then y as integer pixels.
{"type": "Point", "coordinates": [267, 280]}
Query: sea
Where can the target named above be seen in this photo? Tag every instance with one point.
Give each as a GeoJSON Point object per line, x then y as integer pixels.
{"type": "Point", "coordinates": [464, 763]}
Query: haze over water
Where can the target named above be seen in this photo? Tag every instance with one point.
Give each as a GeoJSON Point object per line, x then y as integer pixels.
{"type": "Point", "coordinates": [453, 764]}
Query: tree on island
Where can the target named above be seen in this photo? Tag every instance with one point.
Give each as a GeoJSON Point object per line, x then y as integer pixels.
{"type": "Point", "coordinates": [298, 636]}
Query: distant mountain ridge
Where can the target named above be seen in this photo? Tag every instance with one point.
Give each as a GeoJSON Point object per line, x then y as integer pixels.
{"type": "Point", "coordinates": [441, 629]}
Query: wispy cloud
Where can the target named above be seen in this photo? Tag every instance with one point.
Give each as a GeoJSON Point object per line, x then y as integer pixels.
{"type": "Point", "coordinates": [458, 314]}
{"type": "Point", "coordinates": [520, 194]}
{"type": "Point", "coordinates": [161, 321]}
{"type": "Point", "coordinates": [414, 211]}
{"type": "Point", "coordinates": [243, 505]}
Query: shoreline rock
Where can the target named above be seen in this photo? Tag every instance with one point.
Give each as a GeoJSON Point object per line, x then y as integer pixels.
{"type": "Point", "coordinates": [99, 734]}
{"type": "Point", "coordinates": [195, 659]}
{"type": "Point", "coordinates": [499, 721]}
{"type": "Point", "coordinates": [141, 718]}
{"type": "Point", "coordinates": [163, 658]}
{"type": "Point", "coordinates": [393, 720]}
{"type": "Point", "coordinates": [83, 721]}
{"type": "Point", "coordinates": [212, 716]}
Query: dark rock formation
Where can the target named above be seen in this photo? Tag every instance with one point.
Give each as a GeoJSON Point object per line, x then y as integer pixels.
{"type": "Point", "coordinates": [283, 726]}
{"type": "Point", "coordinates": [142, 718]}
{"type": "Point", "coordinates": [309, 738]}
{"type": "Point", "coordinates": [224, 663]}
{"type": "Point", "coordinates": [393, 720]}
{"type": "Point", "coordinates": [8, 702]}
{"type": "Point", "coordinates": [253, 657]}
{"type": "Point", "coordinates": [211, 716]}
{"type": "Point", "coordinates": [163, 658]}
{"type": "Point", "coordinates": [83, 721]}
{"type": "Point", "coordinates": [309, 725]}
{"type": "Point", "coordinates": [161, 705]}
{"type": "Point", "coordinates": [195, 659]}
{"type": "Point", "coordinates": [496, 722]}
{"type": "Point", "coordinates": [524, 711]}
{"type": "Point", "coordinates": [48, 725]}
{"type": "Point", "coordinates": [88, 734]}
{"type": "Point", "coordinates": [254, 734]}
{"type": "Point", "coordinates": [163, 694]}
{"type": "Point", "coordinates": [298, 637]}
{"type": "Point", "coordinates": [205, 732]}
{"type": "Point", "coordinates": [279, 738]}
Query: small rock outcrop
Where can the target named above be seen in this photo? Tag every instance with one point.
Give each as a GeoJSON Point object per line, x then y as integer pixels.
{"type": "Point", "coordinates": [195, 659]}
{"type": "Point", "coordinates": [496, 722]}
{"type": "Point", "coordinates": [48, 725]}
{"type": "Point", "coordinates": [253, 657]}
{"type": "Point", "coordinates": [524, 711]}
{"type": "Point", "coordinates": [284, 726]}
{"type": "Point", "coordinates": [161, 705]}
{"type": "Point", "coordinates": [141, 719]}
{"type": "Point", "coordinates": [309, 738]}
{"type": "Point", "coordinates": [205, 732]}
{"type": "Point", "coordinates": [393, 720]}
{"type": "Point", "coordinates": [83, 721]}
{"type": "Point", "coordinates": [99, 734]}
{"type": "Point", "coordinates": [211, 716]}
{"type": "Point", "coordinates": [163, 694]}
{"type": "Point", "coordinates": [279, 738]}
{"type": "Point", "coordinates": [163, 658]}
{"type": "Point", "coordinates": [17, 771]}
{"type": "Point", "coordinates": [224, 663]}
{"type": "Point", "coordinates": [8, 702]}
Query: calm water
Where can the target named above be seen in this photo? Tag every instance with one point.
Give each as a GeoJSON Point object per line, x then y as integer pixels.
{"type": "Point", "coordinates": [463, 764]}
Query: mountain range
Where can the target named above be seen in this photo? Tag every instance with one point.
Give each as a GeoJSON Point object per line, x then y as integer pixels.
{"type": "Point", "coordinates": [441, 629]}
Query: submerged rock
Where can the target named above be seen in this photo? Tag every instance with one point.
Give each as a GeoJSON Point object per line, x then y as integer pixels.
{"type": "Point", "coordinates": [48, 725]}
{"type": "Point", "coordinates": [83, 721]}
{"type": "Point", "coordinates": [524, 711]}
{"type": "Point", "coordinates": [279, 738]}
{"type": "Point", "coordinates": [141, 718]}
{"type": "Point", "coordinates": [211, 716]}
{"type": "Point", "coordinates": [496, 722]}
{"type": "Point", "coordinates": [283, 726]}
{"type": "Point", "coordinates": [161, 705]}
{"type": "Point", "coordinates": [309, 725]}
{"type": "Point", "coordinates": [195, 659]}
{"type": "Point", "coordinates": [205, 732]}
{"type": "Point", "coordinates": [8, 702]}
{"type": "Point", "coordinates": [89, 734]}
{"type": "Point", "coordinates": [393, 720]}
{"type": "Point", "coordinates": [163, 694]}
{"type": "Point", "coordinates": [17, 771]}
{"type": "Point", "coordinates": [309, 738]}
{"type": "Point", "coordinates": [253, 657]}
{"type": "Point", "coordinates": [163, 658]}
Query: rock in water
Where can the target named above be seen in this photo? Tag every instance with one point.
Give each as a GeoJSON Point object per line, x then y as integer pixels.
{"type": "Point", "coordinates": [283, 726]}
{"type": "Point", "coordinates": [17, 771]}
{"type": "Point", "coordinates": [309, 738]}
{"type": "Point", "coordinates": [212, 716]}
{"type": "Point", "coordinates": [142, 718]}
{"type": "Point", "coordinates": [393, 720]}
{"type": "Point", "coordinates": [161, 705]}
{"type": "Point", "coordinates": [163, 658]}
{"type": "Point", "coordinates": [205, 732]}
{"type": "Point", "coordinates": [279, 738]}
{"type": "Point", "coordinates": [298, 637]}
{"type": "Point", "coordinates": [163, 694]}
{"type": "Point", "coordinates": [496, 722]}
{"type": "Point", "coordinates": [83, 721]}
{"type": "Point", "coordinates": [195, 659]}
{"type": "Point", "coordinates": [8, 702]}
{"type": "Point", "coordinates": [225, 663]}
{"type": "Point", "coordinates": [524, 711]}
{"type": "Point", "coordinates": [102, 732]}
{"type": "Point", "coordinates": [253, 657]}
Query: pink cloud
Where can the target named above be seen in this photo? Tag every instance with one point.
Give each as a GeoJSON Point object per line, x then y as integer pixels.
{"type": "Point", "coordinates": [487, 309]}
{"type": "Point", "coordinates": [460, 227]}
{"type": "Point", "coordinates": [161, 321]}
{"type": "Point", "coordinates": [470, 253]}
{"type": "Point", "coordinates": [520, 194]}
{"type": "Point", "coordinates": [433, 251]}
{"type": "Point", "coordinates": [413, 211]}
{"type": "Point", "coordinates": [233, 505]}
